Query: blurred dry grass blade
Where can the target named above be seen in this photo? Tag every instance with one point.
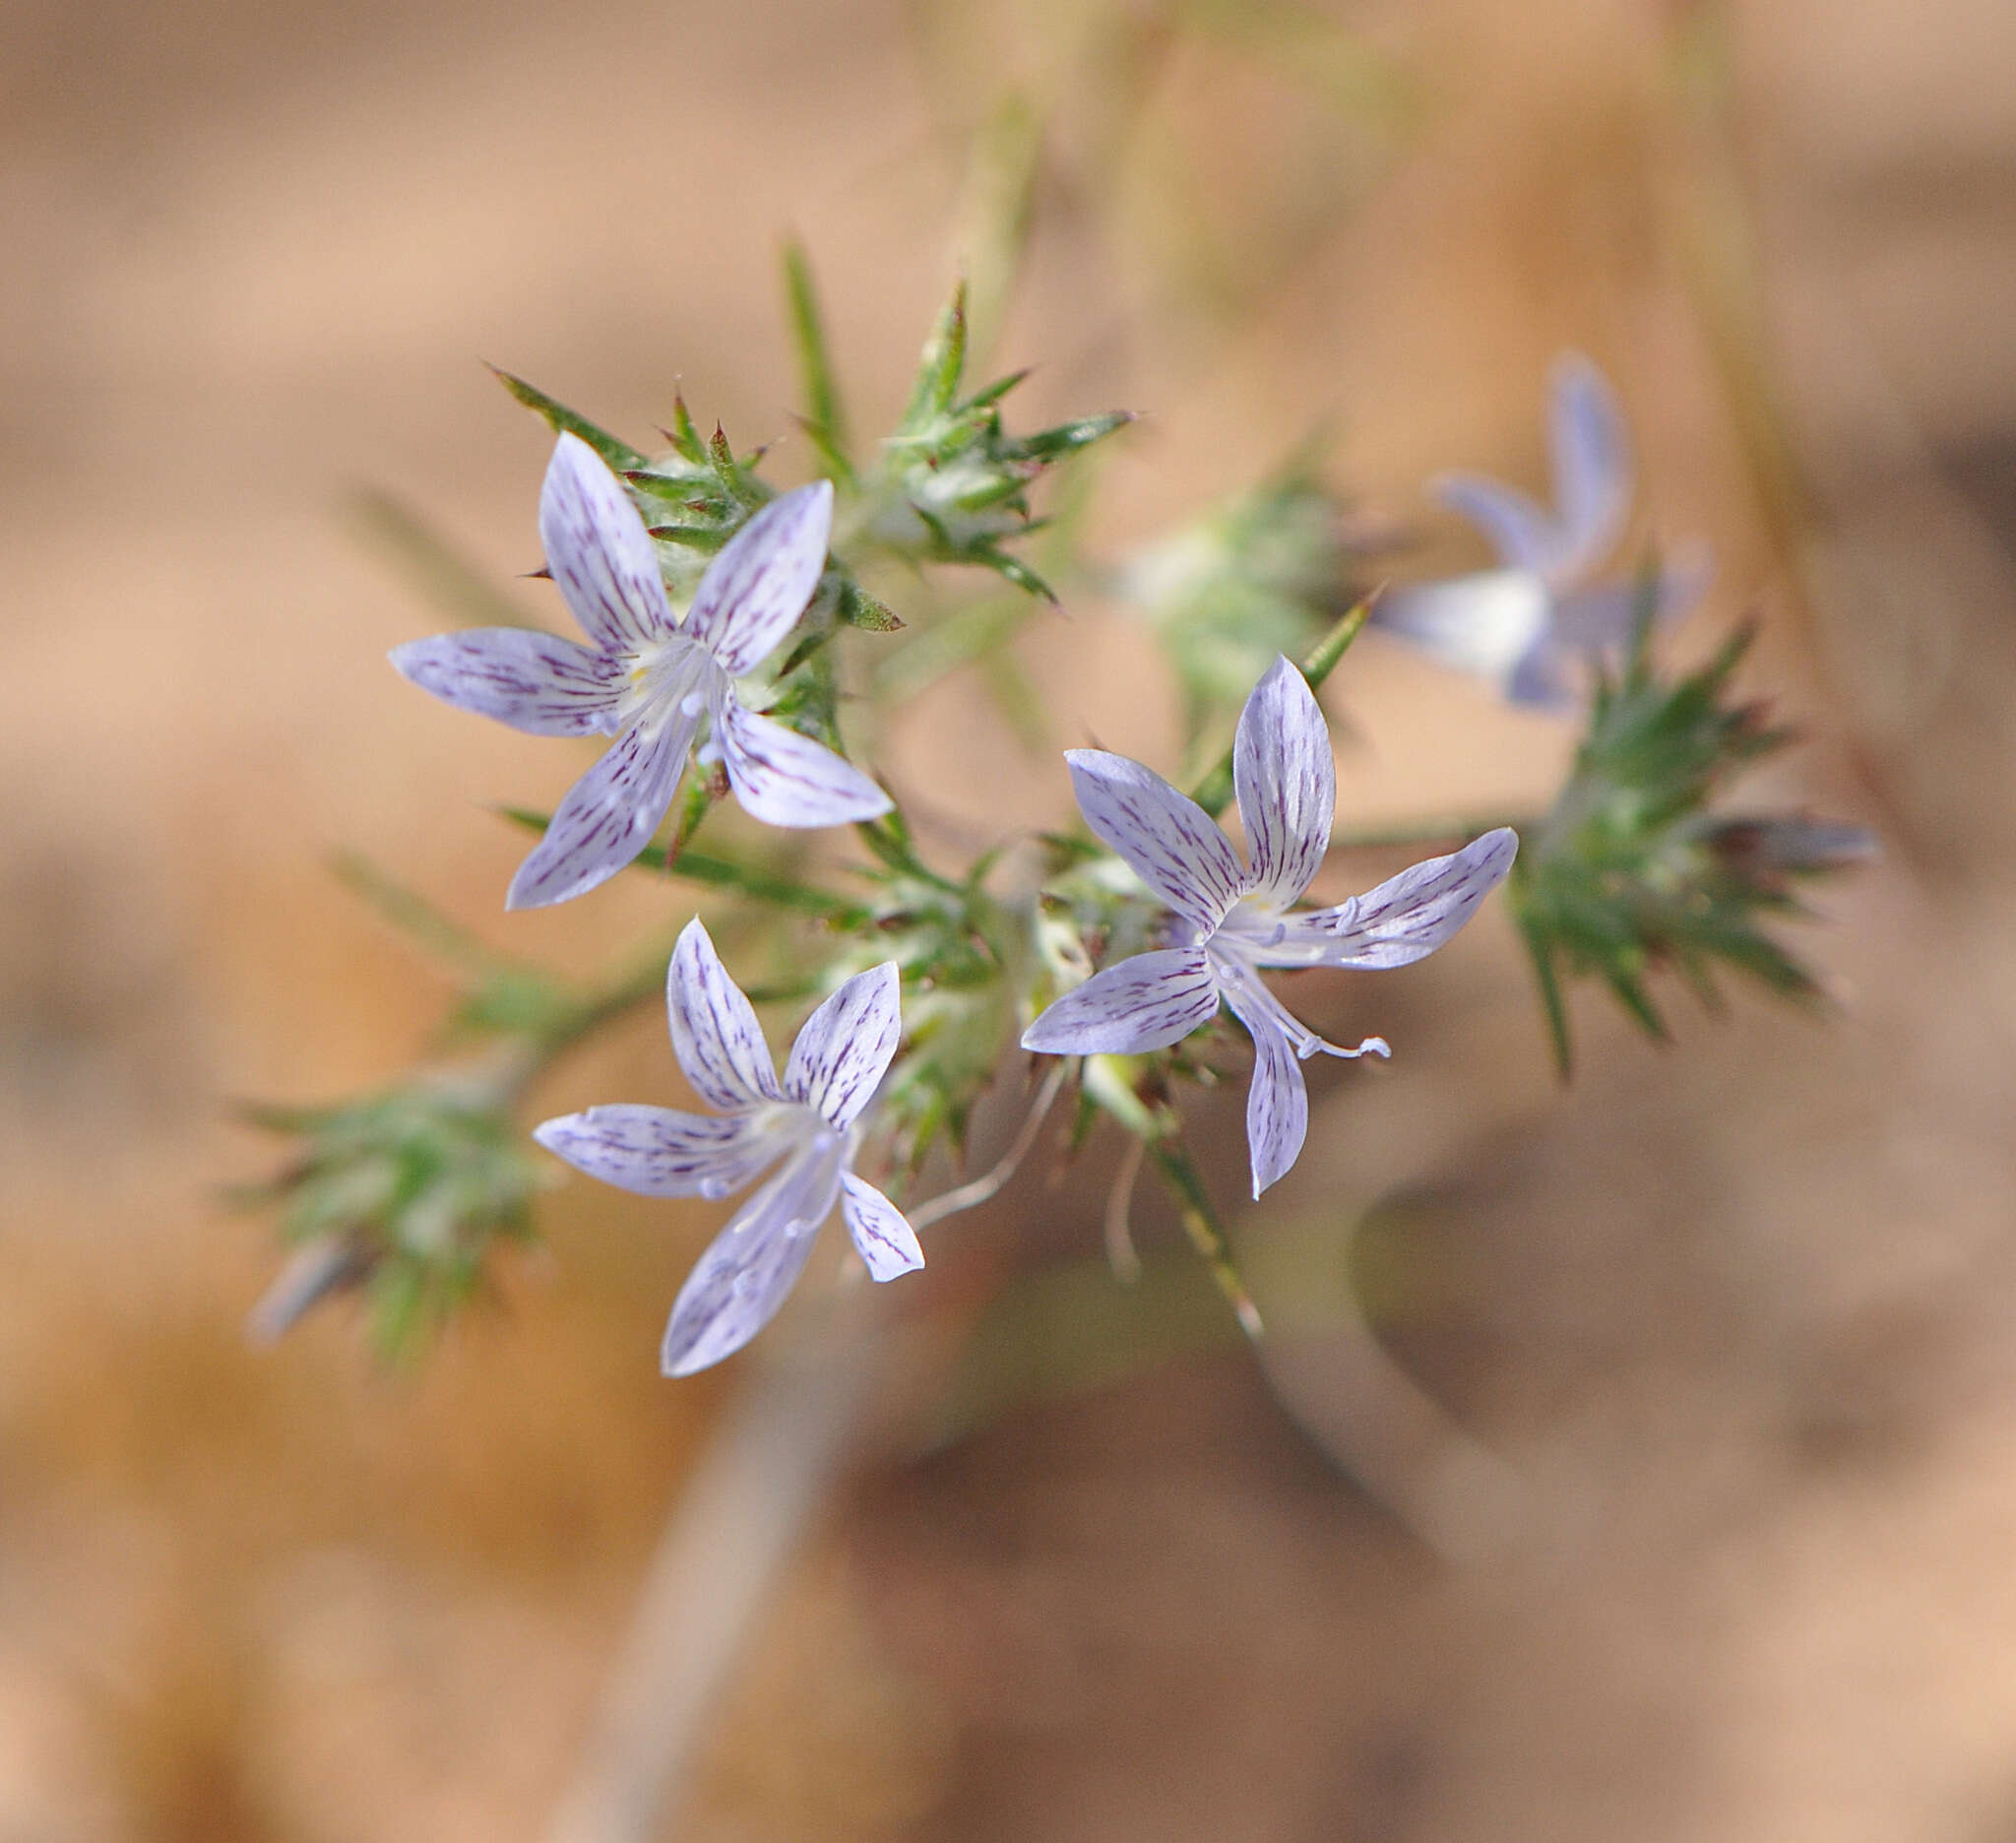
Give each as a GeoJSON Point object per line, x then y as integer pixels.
{"type": "Point", "coordinates": [741, 1516]}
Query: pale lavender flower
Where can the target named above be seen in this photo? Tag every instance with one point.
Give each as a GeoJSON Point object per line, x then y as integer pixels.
{"type": "Point", "coordinates": [809, 1124]}
{"type": "Point", "coordinates": [1527, 624]}
{"type": "Point", "coordinates": [648, 677]}
{"type": "Point", "coordinates": [1232, 919]}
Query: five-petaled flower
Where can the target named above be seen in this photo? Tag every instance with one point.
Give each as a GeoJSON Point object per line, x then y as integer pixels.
{"type": "Point", "coordinates": [1232, 920]}
{"type": "Point", "coordinates": [810, 1120]}
{"type": "Point", "coordinates": [649, 678]}
{"type": "Point", "coordinates": [1526, 625]}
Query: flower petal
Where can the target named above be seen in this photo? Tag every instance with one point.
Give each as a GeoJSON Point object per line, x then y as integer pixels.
{"type": "Point", "coordinates": [844, 1047]}
{"type": "Point", "coordinates": [785, 779]}
{"type": "Point", "coordinates": [606, 818]}
{"type": "Point", "coordinates": [1278, 1102]}
{"type": "Point", "coordinates": [1402, 919]}
{"type": "Point", "coordinates": [1599, 620]}
{"type": "Point", "coordinates": [755, 590]}
{"type": "Point", "coordinates": [1146, 1002]}
{"type": "Point", "coordinates": [883, 1238]}
{"type": "Point", "coordinates": [1484, 623]}
{"type": "Point", "coordinates": [737, 1287]}
{"type": "Point", "coordinates": [1286, 781]}
{"type": "Point", "coordinates": [720, 1045]}
{"type": "Point", "coordinates": [534, 682]}
{"type": "Point", "coordinates": [658, 1153]}
{"type": "Point", "coordinates": [1545, 678]}
{"type": "Point", "coordinates": [1173, 844]}
{"type": "Point", "coordinates": [1592, 466]}
{"type": "Point", "coordinates": [598, 552]}
{"type": "Point", "coordinates": [1523, 533]}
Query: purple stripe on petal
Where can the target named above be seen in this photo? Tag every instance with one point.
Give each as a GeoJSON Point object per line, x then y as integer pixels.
{"type": "Point", "coordinates": [720, 1045]}
{"type": "Point", "coordinates": [1146, 1002]}
{"type": "Point", "coordinates": [606, 818]}
{"type": "Point", "coordinates": [846, 1046]}
{"type": "Point", "coordinates": [1287, 782]}
{"type": "Point", "coordinates": [1172, 842]}
{"type": "Point", "coordinates": [756, 588]}
{"type": "Point", "coordinates": [537, 682]}
{"type": "Point", "coordinates": [658, 1153]}
{"type": "Point", "coordinates": [737, 1287]}
{"type": "Point", "coordinates": [1402, 919]}
{"type": "Point", "coordinates": [785, 779]}
{"type": "Point", "coordinates": [598, 552]}
{"type": "Point", "coordinates": [883, 1236]}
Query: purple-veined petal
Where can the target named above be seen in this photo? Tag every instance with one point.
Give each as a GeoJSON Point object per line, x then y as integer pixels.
{"type": "Point", "coordinates": [755, 590]}
{"type": "Point", "coordinates": [1592, 466]}
{"type": "Point", "coordinates": [1522, 532]}
{"type": "Point", "coordinates": [1484, 623]}
{"type": "Point", "coordinates": [737, 1287]}
{"type": "Point", "coordinates": [883, 1238]}
{"type": "Point", "coordinates": [534, 682]}
{"type": "Point", "coordinates": [608, 816]}
{"type": "Point", "coordinates": [598, 552]}
{"type": "Point", "coordinates": [844, 1047]}
{"type": "Point", "coordinates": [1399, 921]}
{"type": "Point", "coordinates": [1287, 782]}
{"type": "Point", "coordinates": [720, 1045]}
{"type": "Point", "coordinates": [1278, 1101]}
{"type": "Point", "coordinates": [1173, 844]}
{"type": "Point", "coordinates": [658, 1153]}
{"type": "Point", "coordinates": [785, 779]}
{"type": "Point", "coordinates": [1146, 1002]}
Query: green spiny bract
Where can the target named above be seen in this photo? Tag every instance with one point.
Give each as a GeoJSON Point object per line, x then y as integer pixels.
{"type": "Point", "coordinates": [1629, 872]}
{"type": "Point", "coordinates": [952, 486]}
{"type": "Point", "coordinates": [405, 1193]}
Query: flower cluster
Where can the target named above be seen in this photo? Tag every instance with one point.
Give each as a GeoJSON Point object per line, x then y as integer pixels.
{"type": "Point", "coordinates": [707, 602]}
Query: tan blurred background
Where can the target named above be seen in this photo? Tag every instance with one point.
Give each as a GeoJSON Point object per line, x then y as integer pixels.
{"type": "Point", "coordinates": [1738, 1313]}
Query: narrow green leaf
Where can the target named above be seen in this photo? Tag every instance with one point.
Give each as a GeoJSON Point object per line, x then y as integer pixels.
{"type": "Point", "coordinates": [1052, 444]}
{"type": "Point", "coordinates": [685, 437]}
{"type": "Point", "coordinates": [1215, 792]}
{"type": "Point", "coordinates": [414, 917]}
{"type": "Point", "coordinates": [942, 364]}
{"type": "Point", "coordinates": [994, 392]}
{"type": "Point", "coordinates": [440, 572]}
{"type": "Point", "coordinates": [858, 608]}
{"type": "Point", "coordinates": [618, 454]}
{"type": "Point", "coordinates": [825, 418]}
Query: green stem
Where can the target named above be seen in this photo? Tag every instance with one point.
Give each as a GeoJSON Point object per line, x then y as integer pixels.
{"type": "Point", "coordinates": [1215, 792]}
{"type": "Point", "coordinates": [1200, 1223]}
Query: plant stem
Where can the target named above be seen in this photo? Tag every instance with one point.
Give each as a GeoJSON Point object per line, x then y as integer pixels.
{"type": "Point", "coordinates": [1200, 1223]}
